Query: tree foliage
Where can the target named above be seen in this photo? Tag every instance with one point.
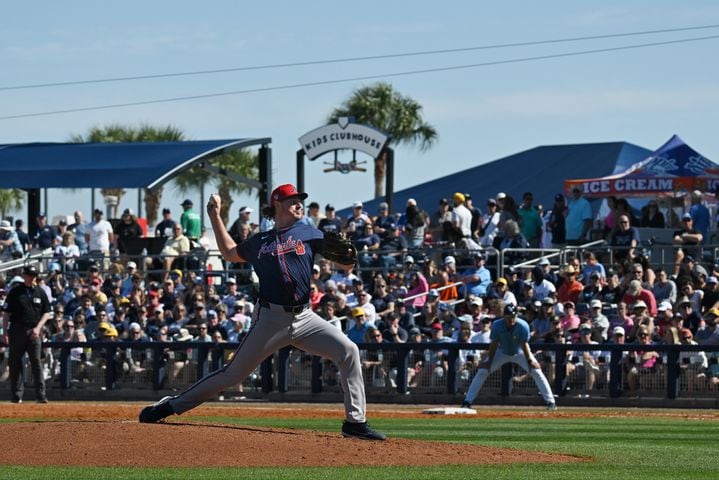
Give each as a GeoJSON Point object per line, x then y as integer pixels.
{"type": "Point", "coordinates": [385, 109]}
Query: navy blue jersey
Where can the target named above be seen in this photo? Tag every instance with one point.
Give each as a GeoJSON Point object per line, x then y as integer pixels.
{"type": "Point", "coordinates": [283, 260]}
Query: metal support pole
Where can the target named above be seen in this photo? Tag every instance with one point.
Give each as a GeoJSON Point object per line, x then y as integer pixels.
{"type": "Point", "coordinates": [283, 369]}
{"type": "Point", "coordinates": [316, 382]}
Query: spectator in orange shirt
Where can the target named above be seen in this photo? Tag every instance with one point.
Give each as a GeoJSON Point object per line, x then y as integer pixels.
{"type": "Point", "coordinates": [442, 280]}
{"type": "Point", "coordinates": [571, 289]}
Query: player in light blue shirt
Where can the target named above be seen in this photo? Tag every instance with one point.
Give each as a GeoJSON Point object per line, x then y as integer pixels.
{"type": "Point", "coordinates": [509, 337]}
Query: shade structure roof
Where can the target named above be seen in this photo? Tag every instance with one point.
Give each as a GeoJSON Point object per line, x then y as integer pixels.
{"type": "Point", "coordinates": [106, 165]}
{"type": "Point", "coordinates": [673, 168]}
{"type": "Point", "coordinates": [540, 170]}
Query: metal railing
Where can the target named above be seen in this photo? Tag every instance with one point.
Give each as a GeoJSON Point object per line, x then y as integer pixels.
{"type": "Point", "coordinates": [408, 368]}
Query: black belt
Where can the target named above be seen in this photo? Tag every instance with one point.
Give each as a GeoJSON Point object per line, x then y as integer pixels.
{"type": "Point", "coordinates": [293, 309]}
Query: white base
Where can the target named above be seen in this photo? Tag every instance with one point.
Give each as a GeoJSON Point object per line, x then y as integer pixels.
{"type": "Point", "coordinates": [450, 411]}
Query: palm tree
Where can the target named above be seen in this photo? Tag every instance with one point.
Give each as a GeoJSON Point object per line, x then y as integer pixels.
{"type": "Point", "coordinates": [242, 162]}
{"type": "Point", "coordinates": [385, 109]}
{"type": "Point", "coordinates": [11, 199]}
{"type": "Point", "coordinates": [145, 133]}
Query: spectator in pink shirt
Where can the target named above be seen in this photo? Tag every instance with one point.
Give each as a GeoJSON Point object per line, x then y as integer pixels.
{"type": "Point", "coordinates": [569, 322]}
{"type": "Point", "coordinates": [417, 285]}
{"type": "Point", "coordinates": [636, 292]}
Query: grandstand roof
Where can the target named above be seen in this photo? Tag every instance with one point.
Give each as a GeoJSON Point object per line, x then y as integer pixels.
{"type": "Point", "coordinates": [540, 170]}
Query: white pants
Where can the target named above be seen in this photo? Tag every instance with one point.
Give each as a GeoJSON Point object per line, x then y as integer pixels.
{"type": "Point", "coordinates": [273, 328]}
{"type": "Point", "coordinates": [500, 359]}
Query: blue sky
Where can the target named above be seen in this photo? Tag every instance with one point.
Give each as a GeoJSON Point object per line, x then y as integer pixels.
{"type": "Point", "coordinates": [642, 96]}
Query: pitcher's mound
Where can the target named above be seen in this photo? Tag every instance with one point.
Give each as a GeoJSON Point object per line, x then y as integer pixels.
{"type": "Point", "coordinates": [178, 444]}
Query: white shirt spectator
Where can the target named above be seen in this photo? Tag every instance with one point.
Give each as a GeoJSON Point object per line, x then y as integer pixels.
{"type": "Point", "coordinates": [100, 235]}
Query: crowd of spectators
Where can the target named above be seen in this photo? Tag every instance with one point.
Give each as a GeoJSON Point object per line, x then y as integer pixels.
{"type": "Point", "coordinates": [421, 278]}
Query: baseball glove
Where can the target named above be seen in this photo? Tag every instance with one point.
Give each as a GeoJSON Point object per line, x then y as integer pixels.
{"type": "Point", "coordinates": [339, 249]}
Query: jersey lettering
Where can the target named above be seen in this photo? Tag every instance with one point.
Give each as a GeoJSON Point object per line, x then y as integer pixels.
{"type": "Point", "coordinates": [282, 248]}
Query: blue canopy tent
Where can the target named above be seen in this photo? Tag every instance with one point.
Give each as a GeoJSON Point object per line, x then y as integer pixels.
{"type": "Point", "coordinates": [674, 168]}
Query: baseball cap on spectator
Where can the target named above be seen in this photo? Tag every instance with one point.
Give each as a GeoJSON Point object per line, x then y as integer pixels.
{"type": "Point", "coordinates": [664, 306]}
{"type": "Point", "coordinates": [458, 197]}
{"type": "Point", "coordinates": [465, 318]}
{"type": "Point", "coordinates": [544, 261]}
{"type": "Point", "coordinates": [383, 206]}
{"type": "Point", "coordinates": [29, 270]}
{"type": "Point", "coordinates": [414, 331]}
{"type": "Point", "coordinates": [135, 327]}
{"type": "Point", "coordinates": [618, 330]}
{"type": "Point", "coordinates": [478, 254]}
{"type": "Point", "coordinates": [491, 201]}
{"type": "Point", "coordinates": [329, 206]}
{"type": "Point", "coordinates": [476, 301]}
{"type": "Point", "coordinates": [286, 191]}
{"type": "Point", "coordinates": [128, 211]}
{"type": "Point", "coordinates": [314, 205]}
{"type": "Point", "coordinates": [357, 205]}
{"type": "Point", "coordinates": [176, 272]}
{"type": "Point", "coordinates": [712, 279]}
{"type": "Point", "coordinates": [635, 286]}
{"type": "Point", "coordinates": [502, 281]}
{"type": "Point", "coordinates": [559, 197]}
{"type": "Point", "coordinates": [409, 259]}
{"type": "Point", "coordinates": [443, 306]}
{"type": "Point", "coordinates": [96, 281]}
{"type": "Point", "coordinates": [131, 264]}
{"type": "Point", "coordinates": [713, 311]}
{"type": "Point", "coordinates": [501, 196]}
{"type": "Point", "coordinates": [42, 215]}
{"type": "Point", "coordinates": [639, 304]}
{"type": "Point", "coordinates": [443, 201]}
{"type": "Point", "coordinates": [449, 259]}
{"type": "Point", "coordinates": [165, 210]}
{"type": "Point", "coordinates": [687, 216]}
{"type": "Point", "coordinates": [5, 225]}
{"type": "Point", "coordinates": [433, 293]}
{"type": "Point", "coordinates": [583, 328]}
{"type": "Point", "coordinates": [212, 313]}
{"type": "Point", "coordinates": [187, 203]}
{"type": "Point", "coordinates": [358, 312]}
{"type": "Point", "coordinates": [595, 275]}
{"type": "Point", "coordinates": [97, 211]}
{"type": "Point", "coordinates": [683, 300]}
{"type": "Point", "coordinates": [231, 281]}
{"type": "Point", "coordinates": [596, 303]}
{"type": "Point", "coordinates": [246, 210]}
{"type": "Point", "coordinates": [510, 309]}
{"type": "Point", "coordinates": [436, 326]}
{"type": "Point", "coordinates": [411, 202]}
{"type": "Point", "coordinates": [547, 301]}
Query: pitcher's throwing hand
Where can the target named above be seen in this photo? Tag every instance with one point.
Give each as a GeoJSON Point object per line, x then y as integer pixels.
{"type": "Point", "coordinates": [214, 203]}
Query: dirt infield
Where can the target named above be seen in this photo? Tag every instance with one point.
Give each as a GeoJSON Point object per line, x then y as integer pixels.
{"type": "Point", "coordinates": [106, 434]}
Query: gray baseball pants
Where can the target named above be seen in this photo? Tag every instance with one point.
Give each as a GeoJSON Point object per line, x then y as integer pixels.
{"type": "Point", "coordinates": [274, 328]}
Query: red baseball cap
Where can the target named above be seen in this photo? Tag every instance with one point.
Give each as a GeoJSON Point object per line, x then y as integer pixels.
{"type": "Point", "coordinates": [286, 191]}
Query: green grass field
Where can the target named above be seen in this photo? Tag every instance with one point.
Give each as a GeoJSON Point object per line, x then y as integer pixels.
{"type": "Point", "coordinates": [621, 447]}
